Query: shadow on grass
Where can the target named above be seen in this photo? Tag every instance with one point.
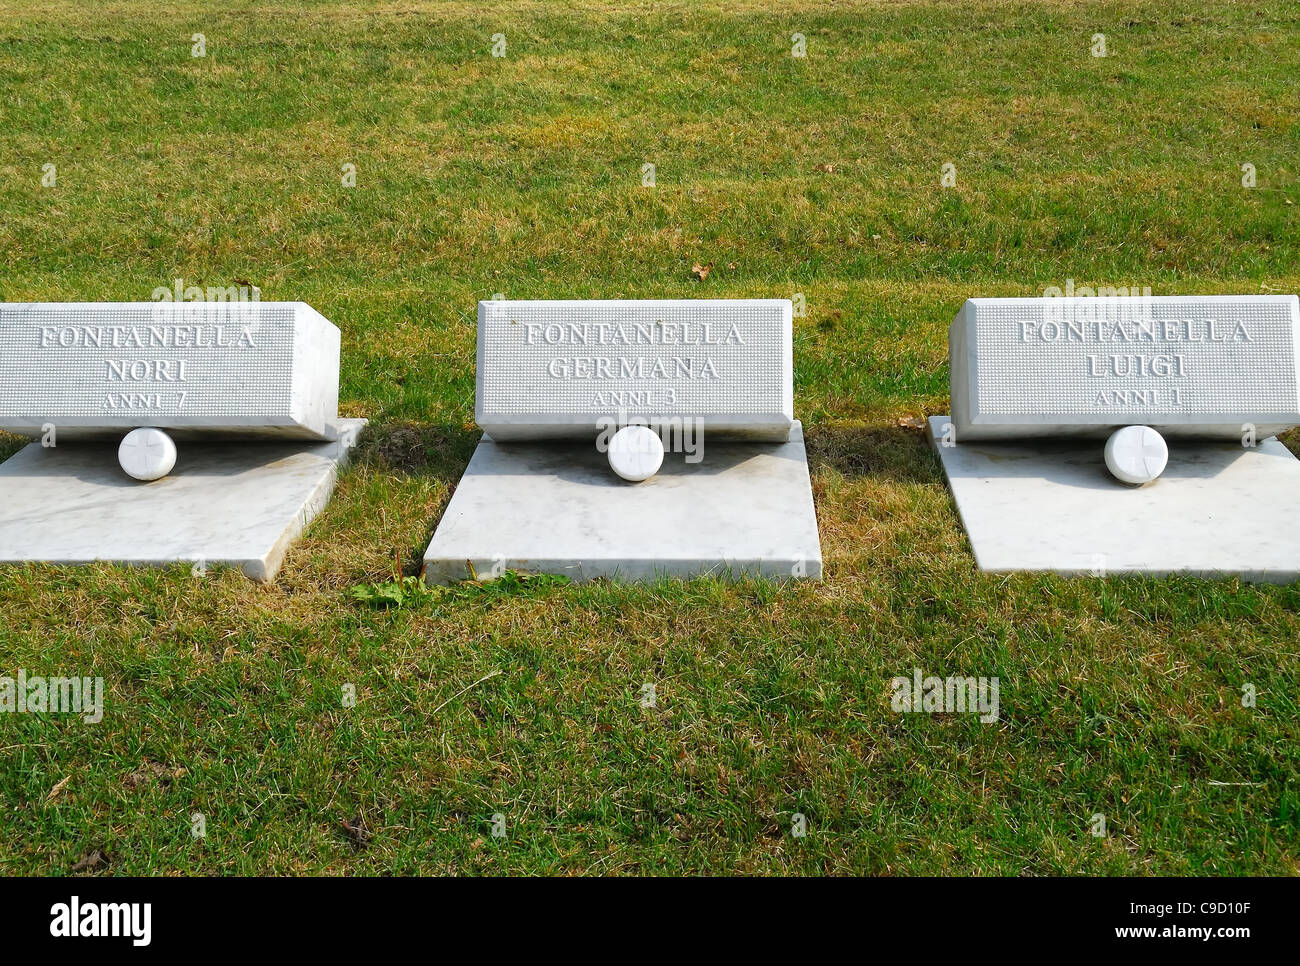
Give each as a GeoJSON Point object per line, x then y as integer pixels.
{"type": "Point", "coordinates": [1291, 440]}
{"type": "Point", "coordinates": [901, 454]}
{"type": "Point", "coordinates": [436, 452]}
{"type": "Point", "coordinates": [441, 452]}
{"type": "Point", "coordinates": [418, 450]}
{"type": "Point", "coordinates": [896, 453]}
{"type": "Point", "coordinates": [10, 444]}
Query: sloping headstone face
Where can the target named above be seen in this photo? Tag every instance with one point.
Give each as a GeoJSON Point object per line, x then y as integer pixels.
{"type": "Point", "coordinates": [1199, 366]}
{"type": "Point", "coordinates": [558, 368]}
{"type": "Point", "coordinates": [193, 368]}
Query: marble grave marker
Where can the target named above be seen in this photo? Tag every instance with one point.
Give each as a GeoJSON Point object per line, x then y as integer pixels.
{"type": "Point", "coordinates": [257, 369]}
{"type": "Point", "coordinates": [540, 495]}
{"type": "Point", "coordinates": [553, 369]}
{"type": "Point", "coordinates": [253, 387]}
{"type": "Point", "coordinates": [1189, 366]}
{"type": "Point", "coordinates": [1036, 382]}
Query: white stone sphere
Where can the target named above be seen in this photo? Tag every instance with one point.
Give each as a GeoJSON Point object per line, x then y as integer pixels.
{"type": "Point", "coordinates": [636, 453]}
{"type": "Point", "coordinates": [147, 454]}
{"type": "Point", "coordinates": [1136, 454]}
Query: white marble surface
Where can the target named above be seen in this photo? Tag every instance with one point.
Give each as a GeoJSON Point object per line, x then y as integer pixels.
{"type": "Point", "coordinates": [1218, 509]}
{"type": "Point", "coordinates": [553, 369]}
{"type": "Point", "coordinates": [557, 507]}
{"type": "Point", "coordinates": [237, 503]}
{"type": "Point", "coordinates": [1136, 455]}
{"type": "Point", "coordinates": [1196, 366]}
{"type": "Point", "coordinates": [635, 453]}
{"type": "Point", "coordinates": [146, 454]}
{"type": "Point", "coordinates": [100, 369]}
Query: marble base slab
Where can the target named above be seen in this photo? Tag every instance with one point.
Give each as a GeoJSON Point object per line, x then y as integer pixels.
{"type": "Point", "coordinates": [235, 503]}
{"type": "Point", "coordinates": [1044, 505]}
{"type": "Point", "coordinates": [556, 507]}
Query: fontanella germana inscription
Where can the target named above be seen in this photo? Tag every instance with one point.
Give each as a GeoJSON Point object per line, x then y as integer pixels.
{"type": "Point", "coordinates": [549, 369]}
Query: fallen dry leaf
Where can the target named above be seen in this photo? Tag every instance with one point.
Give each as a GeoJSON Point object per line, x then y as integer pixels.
{"type": "Point", "coordinates": [54, 792]}
{"type": "Point", "coordinates": [357, 831]}
{"type": "Point", "coordinates": [912, 422]}
{"type": "Point", "coordinates": [90, 860]}
{"type": "Point", "coordinates": [702, 271]}
{"type": "Point", "coordinates": [151, 773]}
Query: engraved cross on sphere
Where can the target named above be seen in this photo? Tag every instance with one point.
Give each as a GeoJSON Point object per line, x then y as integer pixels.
{"type": "Point", "coordinates": [1152, 452]}
{"type": "Point", "coordinates": [141, 447]}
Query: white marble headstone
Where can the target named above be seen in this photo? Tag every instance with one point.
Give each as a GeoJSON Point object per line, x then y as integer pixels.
{"type": "Point", "coordinates": [1200, 366]}
{"type": "Point", "coordinates": [557, 368]}
{"type": "Point", "coordinates": [194, 368]}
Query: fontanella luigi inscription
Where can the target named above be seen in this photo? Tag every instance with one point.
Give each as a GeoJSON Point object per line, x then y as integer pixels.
{"type": "Point", "coordinates": [1200, 366]}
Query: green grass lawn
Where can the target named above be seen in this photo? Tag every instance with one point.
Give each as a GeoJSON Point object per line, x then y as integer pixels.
{"type": "Point", "coordinates": [521, 175]}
